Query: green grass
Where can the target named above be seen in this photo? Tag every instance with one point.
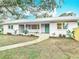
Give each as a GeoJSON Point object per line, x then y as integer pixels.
{"type": "Point", "coordinates": [33, 54]}
{"type": "Point", "coordinates": [53, 48]}
{"type": "Point", "coordinates": [22, 53]}
{"type": "Point", "coordinates": [9, 39]}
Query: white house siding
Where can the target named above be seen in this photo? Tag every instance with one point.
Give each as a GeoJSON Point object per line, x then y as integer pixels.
{"type": "Point", "coordinates": [52, 27]}
{"type": "Point", "coordinates": [5, 29]}
{"type": "Point", "coordinates": [53, 30]}
{"type": "Point", "coordinates": [42, 28]}
{"type": "Point", "coordinates": [33, 31]}
{"type": "Point", "coordinates": [12, 31]}
{"type": "Point", "coordinates": [62, 32]}
{"type": "Point", "coordinates": [72, 25]}
{"type": "Point", "coordinates": [16, 28]}
{"type": "Point", "coordinates": [56, 32]}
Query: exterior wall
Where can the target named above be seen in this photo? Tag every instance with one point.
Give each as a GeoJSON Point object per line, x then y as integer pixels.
{"type": "Point", "coordinates": [56, 32]}
{"type": "Point", "coordinates": [34, 30]}
{"type": "Point", "coordinates": [42, 28]}
{"type": "Point", "coordinates": [53, 31]}
{"type": "Point", "coordinates": [72, 25]}
{"type": "Point", "coordinates": [5, 29]}
{"type": "Point", "coordinates": [12, 31]}
{"type": "Point", "coordinates": [16, 28]}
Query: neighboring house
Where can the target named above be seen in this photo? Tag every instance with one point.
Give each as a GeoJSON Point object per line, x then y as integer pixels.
{"type": "Point", "coordinates": [53, 26]}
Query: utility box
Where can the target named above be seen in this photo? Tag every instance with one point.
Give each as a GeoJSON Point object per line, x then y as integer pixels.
{"type": "Point", "coordinates": [76, 34]}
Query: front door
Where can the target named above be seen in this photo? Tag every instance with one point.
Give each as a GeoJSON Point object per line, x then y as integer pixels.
{"type": "Point", "coordinates": [46, 28]}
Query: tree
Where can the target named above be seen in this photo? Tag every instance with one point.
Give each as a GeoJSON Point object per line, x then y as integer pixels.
{"type": "Point", "coordinates": [30, 5]}
{"type": "Point", "coordinates": [68, 14]}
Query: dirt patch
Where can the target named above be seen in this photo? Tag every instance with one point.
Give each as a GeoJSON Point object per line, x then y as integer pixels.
{"type": "Point", "coordinates": [9, 39]}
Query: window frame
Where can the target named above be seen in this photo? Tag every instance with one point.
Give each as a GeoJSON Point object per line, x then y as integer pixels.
{"type": "Point", "coordinates": [59, 25]}
{"type": "Point", "coordinates": [10, 26]}
{"type": "Point", "coordinates": [36, 26]}
{"type": "Point", "coordinates": [65, 25]}
{"type": "Point", "coordinates": [62, 25]}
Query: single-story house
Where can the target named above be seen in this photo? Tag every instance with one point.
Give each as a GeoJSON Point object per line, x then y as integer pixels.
{"type": "Point", "coordinates": [54, 26]}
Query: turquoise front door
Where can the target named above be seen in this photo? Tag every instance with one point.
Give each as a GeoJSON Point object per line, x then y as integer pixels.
{"type": "Point", "coordinates": [46, 28]}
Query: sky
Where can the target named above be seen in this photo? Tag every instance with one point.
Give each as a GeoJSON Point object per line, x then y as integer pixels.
{"type": "Point", "coordinates": [68, 5]}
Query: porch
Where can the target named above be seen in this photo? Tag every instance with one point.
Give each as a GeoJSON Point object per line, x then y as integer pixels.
{"type": "Point", "coordinates": [33, 28]}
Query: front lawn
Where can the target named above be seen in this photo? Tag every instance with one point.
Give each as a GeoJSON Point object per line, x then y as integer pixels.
{"type": "Point", "coordinates": [9, 39]}
{"type": "Point", "coordinates": [53, 48]}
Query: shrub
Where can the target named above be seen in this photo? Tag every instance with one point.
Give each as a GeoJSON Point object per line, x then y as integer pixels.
{"type": "Point", "coordinates": [60, 35]}
{"type": "Point", "coordinates": [25, 31]}
{"type": "Point", "coordinates": [64, 35]}
{"type": "Point", "coordinates": [70, 34]}
{"type": "Point", "coordinates": [9, 33]}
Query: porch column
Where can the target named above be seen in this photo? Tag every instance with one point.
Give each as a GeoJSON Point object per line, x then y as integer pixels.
{"type": "Point", "coordinates": [40, 28]}
{"type": "Point", "coordinates": [51, 29]}
{"type": "Point", "coordinates": [24, 26]}
{"type": "Point", "coordinates": [24, 29]}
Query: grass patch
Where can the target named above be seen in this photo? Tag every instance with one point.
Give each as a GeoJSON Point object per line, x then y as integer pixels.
{"type": "Point", "coordinates": [10, 39]}
{"type": "Point", "coordinates": [20, 53]}
{"type": "Point", "coordinates": [53, 48]}
{"type": "Point", "coordinates": [33, 53]}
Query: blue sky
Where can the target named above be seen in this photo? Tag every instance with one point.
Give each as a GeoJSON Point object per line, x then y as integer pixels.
{"type": "Point", "coordinates": [69, 5]}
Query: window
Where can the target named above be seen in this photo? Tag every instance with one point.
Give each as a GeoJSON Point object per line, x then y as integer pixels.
{"type": "Point", "coordinates": [10, 26]}
{"type": "Point", "coordinates": [35, 26]}
{"type": "Point", "coordinates": [28, 26]}
{"type": "Point", "coordinates": [21, 28]}
{"type": "Point", "coordinates": [65, 25]}
{"type": "Point", "coordinates": [59, 25]}
{"type": "Point", "coordinates": [62, 25]}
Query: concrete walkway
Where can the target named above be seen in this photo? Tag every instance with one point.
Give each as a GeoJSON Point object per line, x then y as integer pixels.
{"type": "Point", "coordinates": [42, 37]}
